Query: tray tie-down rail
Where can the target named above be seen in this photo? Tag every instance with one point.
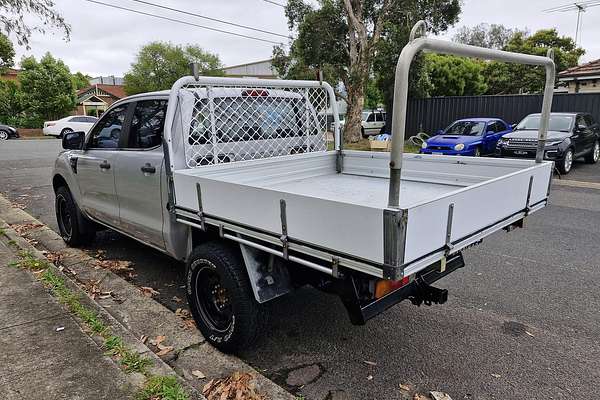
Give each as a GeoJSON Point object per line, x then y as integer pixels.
{"type": "Point", "coordinates": [395, 218]}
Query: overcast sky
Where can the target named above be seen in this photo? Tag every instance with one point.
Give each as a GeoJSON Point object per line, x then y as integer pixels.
{"type": "Point", "coordinates": [104, 40]}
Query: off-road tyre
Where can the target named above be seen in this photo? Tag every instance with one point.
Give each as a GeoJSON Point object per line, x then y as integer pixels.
{"type": "Point", "coordinates": [75, 229]}
{"type": "Point", "coordinates": [216, 266]}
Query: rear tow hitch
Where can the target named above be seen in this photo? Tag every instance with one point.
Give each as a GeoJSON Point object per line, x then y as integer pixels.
{"type": "Point", "coordinates": [427, 294]}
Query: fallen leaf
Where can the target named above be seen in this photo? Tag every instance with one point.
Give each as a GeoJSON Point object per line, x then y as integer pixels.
{"type": "Point", "coordinates": [143, 339]}
{"type": "Point", "coordinates": [404, 387]}
{"type": "Point", "coordinates": [530, 334]}
{"type": "Point", "coordinates": [157, 340]}
{"type": "Point", "coordinates": [440, 395]}
{"type": "Point", "coordinates": [198, 374]}
{"type": "Point", "coordinates": [164, 350]}
{"type": "Point", "coordinates": [176, 299]}
{"type": "Point", "coordinates": [148, 291]}
{"type": "Point", "coordinates": [370, 377]}
{"type": "Point", "coordinates": [238, 386]}
{"type": "Point", "coordinates": [370, 363]}
{"type": "Point", "coordinates": [419, 396]}
{"type": "Point", "coordinates": [60, 328]}
{"type": "Point", "coordinates": [496, 375]}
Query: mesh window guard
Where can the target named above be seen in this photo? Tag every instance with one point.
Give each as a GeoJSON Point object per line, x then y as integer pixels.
{"type": "Point", "coordinates": [227, 123]}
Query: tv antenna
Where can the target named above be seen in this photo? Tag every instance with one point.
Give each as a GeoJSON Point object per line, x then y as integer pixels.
{"type": "Point", "coordinates": [580, 7]}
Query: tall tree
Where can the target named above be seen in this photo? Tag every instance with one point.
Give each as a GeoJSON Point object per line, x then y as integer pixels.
{"type": "Point", "coordinates": [515, 78]}
{"type": "Point", "coordinates": [158, 65]}
{"type": "Point", "coordinates": [11, 103]}
{"type": "Point", "coordinates": [7, 53]}
{"type": "Point", "coordinates": [14, 19]}
{"type": "Point", "coordinates": [455, 76]}
{"type": "Point", "coordinates": [345, 36]}
{"type": "Point", "coordinates": [494, 36]}
{"type": "Point", "coordinates": [80, 80]}
{"type": "Point", "coordinates": [48, 91]}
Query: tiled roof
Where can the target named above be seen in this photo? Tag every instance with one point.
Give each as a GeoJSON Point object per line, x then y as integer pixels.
{"type": "Point", "coordinates": [590, 68]}
{"type": "Point", "coordinates": [117, 91]}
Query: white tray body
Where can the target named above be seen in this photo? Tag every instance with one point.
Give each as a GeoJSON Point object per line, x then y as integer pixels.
{"type": "Point", "coordinates": [344, 212]}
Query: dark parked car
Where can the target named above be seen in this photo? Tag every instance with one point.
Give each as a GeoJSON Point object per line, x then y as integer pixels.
{"type": "Point", "coordinates": [570, 136]}
{"type": "Point", "coordinates": [8, 132]}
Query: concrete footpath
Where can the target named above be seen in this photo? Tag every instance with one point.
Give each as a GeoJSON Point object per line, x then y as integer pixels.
{"type": "Point", "coordinates": [44, 353]}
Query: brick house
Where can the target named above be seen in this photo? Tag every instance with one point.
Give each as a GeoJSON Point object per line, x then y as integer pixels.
{"type": "Point", "coordinates": [583, 78]}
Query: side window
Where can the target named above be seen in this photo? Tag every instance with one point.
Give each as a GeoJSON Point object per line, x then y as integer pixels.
{"type": "Point", "coordinates": [371, 118]}
{"type": "Point", "coordinates": [90, 120]}
{"type": "Point", "coordinates": [581, 122]}
{"type": "Point", "coordinates": [107, 132]}
{"type": "Point", "coordinates": [147, 124]}
{"type": "Point", "coordinates": [76, 119]}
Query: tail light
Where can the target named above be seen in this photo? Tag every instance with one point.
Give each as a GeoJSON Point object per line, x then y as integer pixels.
{"type": "Point", "coordinates": [49, 124]}
{"type": "Point", "coordinates": [385, 286]}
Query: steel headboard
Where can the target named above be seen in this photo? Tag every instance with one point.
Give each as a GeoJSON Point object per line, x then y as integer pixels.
{"type": "Point", "coordinates": [231, 119]}
{"type": "Point", "coordinates": [409, 52]}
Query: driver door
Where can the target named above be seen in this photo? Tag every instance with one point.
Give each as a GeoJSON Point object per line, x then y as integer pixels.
{"type": "Point", "coordinates": [97, 164]}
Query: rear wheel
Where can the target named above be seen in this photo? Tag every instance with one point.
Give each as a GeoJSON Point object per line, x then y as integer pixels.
{"type": "Point", "coordinates": [74, 228]}
{"type": "Point", "coordinates": [221, 298]}
{"type": "Point", "coordinates": [565, 165]}
{"type": "Point", "coordinates": [593, 156]}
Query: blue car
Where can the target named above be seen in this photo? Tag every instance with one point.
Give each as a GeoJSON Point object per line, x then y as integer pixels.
{"type": "Point", "coordinates": [467, 137]}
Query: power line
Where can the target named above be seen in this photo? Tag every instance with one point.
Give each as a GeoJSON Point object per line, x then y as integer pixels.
{"type": "Point", "coordinates": [183, 22]}
{"type": "Point", "coordinates": [274, 2]}
{"type": "Point", "coordinates": [580, 7]}
{"type": "Point", "coordinates": [210, 18]}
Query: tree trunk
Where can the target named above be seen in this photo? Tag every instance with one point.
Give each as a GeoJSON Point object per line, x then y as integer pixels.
{"type": "Point", "coordinates": [352, 126]}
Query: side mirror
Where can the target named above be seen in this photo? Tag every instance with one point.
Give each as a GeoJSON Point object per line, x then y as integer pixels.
{"type": "Point", "coordinates": [440, 132]}
{"type": "Point", "coordinates": [73, 141]}
{"type": "Point", "coordinates": [581, 127]}
{"type": "Point", "coordinates": [513, 126]}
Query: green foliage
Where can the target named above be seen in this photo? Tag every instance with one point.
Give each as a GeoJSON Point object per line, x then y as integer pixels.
{"type": "Point", "coordinates": [16, 18]}
{"type": "Point", "coordinates": [439, 15]}
{"type": "Point", "coordinates": [48, 91]}
{"type": "Point", "coordinates": [492, 36]}
{"type": "Point", "coordinates": [80, 80]}
{"type": "Point", "coordinates": [350, 42]}
{"type": "Point", "coordinates": [158, 65]}
{"type": "Point", "coordinates": [164, 388]}
{"type": "Point", "coordinates": [455, 76]}
{"type": "Point", "coordinates": [514, 78]}
{"type": "Point", "coordinates": [7, 53]}
{"type": "Point", "coordinates": [373, 96]}
{"type": "Point", "coordinates": [11, 103]}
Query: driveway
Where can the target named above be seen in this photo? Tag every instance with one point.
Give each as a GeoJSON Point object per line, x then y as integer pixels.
{"type": "Point", "coordinates": [521, 321]}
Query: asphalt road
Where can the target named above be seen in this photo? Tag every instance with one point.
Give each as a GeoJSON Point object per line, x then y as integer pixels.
{"type": "Point", "coordinates": [522, 319]}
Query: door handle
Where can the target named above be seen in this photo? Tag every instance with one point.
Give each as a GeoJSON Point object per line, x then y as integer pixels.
{"type": "Point", "coordinates": [104, 165]}
{"type": "Point", "coordinates": [148, 169]}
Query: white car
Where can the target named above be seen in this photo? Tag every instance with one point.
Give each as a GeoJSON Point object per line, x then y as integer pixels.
{"type": "Point", "coordinates": [69, 124]}
{"type": "Point", "coordinates": [371, 122]}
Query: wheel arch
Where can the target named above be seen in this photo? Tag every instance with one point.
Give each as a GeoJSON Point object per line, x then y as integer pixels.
{"type": "Point", "coordinates": [254, 261]}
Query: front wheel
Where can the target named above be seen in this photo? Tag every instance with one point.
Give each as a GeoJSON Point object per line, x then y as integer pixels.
{"type": "Point", "coordinates": [3, 135]}
{"type": "Point", "coordinates": [593, 156]}
{"type": "Point", "coordinates": [565, 165]}
{"type": "Point", "coordinates": [74, 228]}
{"type": "Point", "coordinates": [221, 298]}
